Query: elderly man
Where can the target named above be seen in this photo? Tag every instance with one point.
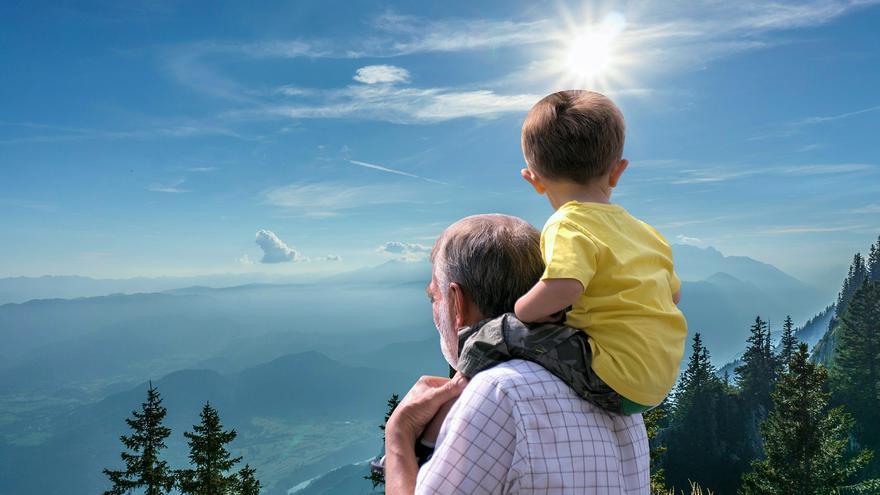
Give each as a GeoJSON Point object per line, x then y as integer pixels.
{"type": "Point", "coordinates": [516, 428]}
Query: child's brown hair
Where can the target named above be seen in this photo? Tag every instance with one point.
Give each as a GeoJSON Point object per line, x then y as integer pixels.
{"type": "Point", "coordinates": [574, 135]}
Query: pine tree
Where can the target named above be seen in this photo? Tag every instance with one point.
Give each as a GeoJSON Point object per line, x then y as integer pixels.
{"type": "Point", "coordinates": [694, 424]}
{"type": "Point", "coordinates": [248, 484]}
{"type": "Point", "coordinates": [873, 263]}
{"type": "Point", "coordinates": [698, 372]}
{"type": "Point", "coordinates": [757, 375]}
{"type": "Point", "coordinates": [855, 377]}
{"type": "Point", "coordinates": [209, 457]}
{"type": "Point", "coordinates": [144, 468]}
{"type": "Point", "coordinates": [805, 443]}
{"type": "Point", "coordinates": [654, 420]}
{"type": "Point", "coordinates": [756, 378]}
{"type": "Point", "coordinates": [857, 274]}
{"type": "Point", "coordinates": [375, 477]}
{"type": "Point", "coordinates": [788, 342]}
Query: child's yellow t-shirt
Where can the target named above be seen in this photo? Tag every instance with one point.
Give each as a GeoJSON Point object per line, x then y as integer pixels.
{"type": "Point", "coordinates": [636, 332]}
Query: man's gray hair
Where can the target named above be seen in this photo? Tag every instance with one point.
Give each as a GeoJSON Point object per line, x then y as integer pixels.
{"type": "Point", "coordinates": [494, 258]}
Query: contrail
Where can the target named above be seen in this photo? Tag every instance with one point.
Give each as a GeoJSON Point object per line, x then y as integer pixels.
{"type": "Point", "coordinates": [392, 171]}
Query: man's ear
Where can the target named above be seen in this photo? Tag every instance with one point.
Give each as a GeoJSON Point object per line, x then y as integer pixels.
{"type": "Point", "coordinates": [458, 305]}
{"type": "Point", "coordinates": [616, 172]}
{"type": "Point", "coordinates": [533, 179]}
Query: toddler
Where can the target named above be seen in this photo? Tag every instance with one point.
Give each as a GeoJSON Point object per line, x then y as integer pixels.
{"type": "Point", "coordinates": [607, 273]}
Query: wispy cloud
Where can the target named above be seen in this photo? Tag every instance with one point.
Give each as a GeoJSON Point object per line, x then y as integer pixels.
{"type": "Point", "coordinates": [794, 127]}
{"type": "Point", "coordinates": [690, 241]}
{"type": "Point", "coordinates": [405, 35]}
{"type": "Point", "coordinates": [171, 187]}
{"type": "Point", "coordinates": [809, 147]}
{"type": "Point", "coordinates": [379, 74]}
{"type": "Point", "coordinates": [394, 171]}
{"type": "Point", "coordinates": [810, 229]}
{"type": "Point", "coordinates": [327, 199]}
{"type": "Point", "coordinates": [725, 174]}
{"type": "Point", "coordinates": [402, 105]}
{"type": "Point", "coordinates": [706, 176]}
{"type": "Point", "coordinates": [835, 168]}
{"type": "Point", "coordinates": [681, 35]}
{"type": "Point", "coordinates": [47, 133]}
{"type": "Point", "coordinates": [27, 204]}
{"type": "Point", "coordinates": [832, 118]}
{"type": "Point", "coordinates": [870, 208]}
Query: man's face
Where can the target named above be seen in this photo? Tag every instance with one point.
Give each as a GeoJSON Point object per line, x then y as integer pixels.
{"type": "Point", "coordinates": [444, 321]}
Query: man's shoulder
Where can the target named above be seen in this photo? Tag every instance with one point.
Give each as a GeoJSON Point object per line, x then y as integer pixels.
{"type": "Point", "coordinates": [519, 379]}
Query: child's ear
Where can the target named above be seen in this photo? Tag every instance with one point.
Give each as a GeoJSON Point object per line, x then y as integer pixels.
{"type": "Point", "coordinates": [616, 172]}
{"type": "Point", "coordinates": [534, 180]}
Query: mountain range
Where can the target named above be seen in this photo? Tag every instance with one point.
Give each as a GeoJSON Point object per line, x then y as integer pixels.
{"type": "Point", "coordinates": [272, 406]}
{"type": "Point", "coordinates": [301, 369]}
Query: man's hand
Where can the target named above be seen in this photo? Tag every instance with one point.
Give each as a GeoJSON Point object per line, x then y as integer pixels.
{"type": "Point", "coordinates": [407, 422]}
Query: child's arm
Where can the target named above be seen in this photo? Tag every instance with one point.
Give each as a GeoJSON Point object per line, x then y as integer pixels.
{"type": "Point", "coordinates": [547, 297]}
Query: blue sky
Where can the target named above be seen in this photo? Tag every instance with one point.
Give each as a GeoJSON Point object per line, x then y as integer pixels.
{"type": "Point", "coordinates": [150, 138]}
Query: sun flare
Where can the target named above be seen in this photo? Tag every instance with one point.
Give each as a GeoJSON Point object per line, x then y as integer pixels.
{"type": "Point", "coordinates": [589, 56]}
{"type": "Point", "coordinates": [591, 52]}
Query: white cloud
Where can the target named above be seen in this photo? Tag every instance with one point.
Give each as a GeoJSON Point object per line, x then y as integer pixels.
{"type": "Point", "coordinates": [402, 105]}
{"type": "Point", "coordinates": [274, 249]}
{"type": "Point", "coordinates": [378, 74]}
{"type": "Point", "coordinates": [171, 187]}
{"type": "Point", "coordinates": [406, 250]}
{"type": "Point", "coordinates": [245, 260]}
{"type": "Point", "coordinates": [330, 257]}
{"type": "Point", "coordinates": [691, 241]}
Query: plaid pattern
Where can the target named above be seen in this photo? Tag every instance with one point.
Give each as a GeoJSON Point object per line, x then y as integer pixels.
{"type": "Point", "coordinates": [519, 429]}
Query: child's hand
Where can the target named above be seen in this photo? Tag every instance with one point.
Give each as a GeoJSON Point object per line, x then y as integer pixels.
{"type": "Point", "coordinates": [676, 297]}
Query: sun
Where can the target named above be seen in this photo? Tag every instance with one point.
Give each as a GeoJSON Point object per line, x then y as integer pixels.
{"type": "Point", "coordinates": [591, 52]}
{"type": "Point", "coordinates": [589, 55]}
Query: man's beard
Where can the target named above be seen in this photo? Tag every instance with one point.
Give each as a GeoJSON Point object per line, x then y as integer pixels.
{"type": "Point", "coordinates": [448, 336]}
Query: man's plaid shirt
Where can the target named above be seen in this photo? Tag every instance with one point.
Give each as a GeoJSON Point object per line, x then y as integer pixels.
{"type": "Point", "coordinates": [519, 429]}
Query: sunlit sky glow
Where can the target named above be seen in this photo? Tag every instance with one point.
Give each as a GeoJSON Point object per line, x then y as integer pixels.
{"type": "Point", "coordinates": [151, 138]}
